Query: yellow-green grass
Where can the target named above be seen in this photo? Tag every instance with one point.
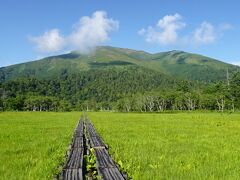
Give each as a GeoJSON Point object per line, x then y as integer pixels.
{"type": "Point", "coordinates": [33, 144]}
{"type": "Point", "coordinates": [150, 146]}
{"type": "Point", "coordinates": [173, 146]}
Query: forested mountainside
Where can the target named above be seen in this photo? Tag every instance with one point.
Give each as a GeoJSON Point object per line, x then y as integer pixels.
{"type": "Point", "coordinates": [120, 79]}
{"type": "Point", "coordinates": [174, 63]}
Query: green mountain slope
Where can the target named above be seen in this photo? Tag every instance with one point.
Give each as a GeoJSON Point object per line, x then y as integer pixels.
{"type": "Point", "coordinates": [174, 63]}
{"type": "Point", "coordinates": [192, 66]}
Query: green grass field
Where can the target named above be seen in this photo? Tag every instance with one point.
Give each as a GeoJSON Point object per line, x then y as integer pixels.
{"type": "Point", "coordinates": [33, 144]}
{"type": "Point", "coordinates": [173, 146]}
{"type": "Point", "coordinates": [150, 146]}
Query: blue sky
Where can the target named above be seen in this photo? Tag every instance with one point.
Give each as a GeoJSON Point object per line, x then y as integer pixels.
{"type": "Point", "coordinates": [34, 29]}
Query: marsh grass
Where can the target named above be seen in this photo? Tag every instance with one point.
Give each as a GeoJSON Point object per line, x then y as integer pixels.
{"type": "Point", "coordinates": [33, 144]}
{"type": "Point", "coordinates": [148, 146]}
{"type": "Point", "coordinates": [173, 146]}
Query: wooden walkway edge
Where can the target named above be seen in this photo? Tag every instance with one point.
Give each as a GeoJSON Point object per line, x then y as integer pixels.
{"type": "Point", "coordinates": [73, 168]}
{"type": "Point", "coordinates": [86, 137]}
{"type": "Point", "coordinates": [105, 165]}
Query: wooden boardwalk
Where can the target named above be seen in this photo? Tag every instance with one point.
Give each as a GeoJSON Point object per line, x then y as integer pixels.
{"type": "Point", "coordinates": [73, 168]}
{"type": "Point", "coordinates": [74, 165]}
{"type": "Point", "coordinates": [106, 167]}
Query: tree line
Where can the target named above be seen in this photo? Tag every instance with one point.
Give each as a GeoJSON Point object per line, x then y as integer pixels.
{"type": "Point", "coordinates": [126, 89]}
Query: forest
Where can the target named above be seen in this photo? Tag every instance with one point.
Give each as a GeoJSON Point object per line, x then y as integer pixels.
{"type": "Point", "coordinates": [119, 89]}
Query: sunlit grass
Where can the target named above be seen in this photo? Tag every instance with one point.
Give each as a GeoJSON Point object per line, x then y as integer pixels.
{"type": "Point", "coordinates": [33, 144]}
{"type": "Point", "coordinates": [173, 146]}
{"type": "Point", "coordinates": [150, 146]}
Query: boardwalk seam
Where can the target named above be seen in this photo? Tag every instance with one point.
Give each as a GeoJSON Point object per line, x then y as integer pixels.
{"type": "Point", "coordinates": [85, 138]}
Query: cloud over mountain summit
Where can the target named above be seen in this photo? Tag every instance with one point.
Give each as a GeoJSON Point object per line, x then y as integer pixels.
{"type": "Point", "coordinates": [86, 34]}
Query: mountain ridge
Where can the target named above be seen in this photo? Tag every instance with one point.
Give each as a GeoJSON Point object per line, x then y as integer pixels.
{"type": "Point", "coordinates": [142, 51]}
{"type": "Point", "coordinates": [175, 63]}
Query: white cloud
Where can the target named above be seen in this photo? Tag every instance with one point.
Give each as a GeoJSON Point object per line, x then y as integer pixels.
{"type": "Point", "coordinates": [141, 32]}
{"type": "Point", "coordinates": [50, 41]}
{"type": "Point", "coordinates": [92, 31]}
{"type": "Point", "coordinates": [205, 34]}
{"type": "Point", "coordinates": [87, 33]}
{"type": "Point", "coordinates": [166, 30]}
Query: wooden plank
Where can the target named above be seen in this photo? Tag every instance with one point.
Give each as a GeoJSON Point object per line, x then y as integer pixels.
{"type": "Point", "coordinates": [77, 142]}
{"type": "Point", "coordinates": [75, 159]}
{"type": "Point", "coordinates": [72, 174]}
{"type": "Point", "coordinates": [74, 162]}
{"type": "Point", "coordinates": [79, 130]}
{"type": "Point", "coordinates": [110, 174]}
{"type": "Point", "coordinates": [96, 142]}
{"type": "Point", "coordinates": [91, 131]}
{"type": "Point", "coordinates": [78, 134]}
{"type": "Point", "coordinates": [103, 158]}
{"type": "Point", "coordinates": [107, 169]}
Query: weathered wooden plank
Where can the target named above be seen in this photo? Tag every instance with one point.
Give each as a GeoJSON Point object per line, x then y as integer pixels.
{"type": "Point", "coordinates": [96, 141]}
{"type": "Point", "coordinates": [92, 133]}
{"type": "Point", "coordinates": [79, 129]}
{"type": "Point", "coordinates": [91, 130]}
{"type": "Point", "coordinates": [77, 142]}
{"type": "Point", "coordinates": [72, 174]}
{"type": "Point", "coordinates": [75, 159]}
{"type": "Point", "coordinates": [105, 165]}
{"type": "Point", "coordinates": [103, 158]}
{"type": "Point", "coordinates": [110, 174]}
{"type": "Point", "coordinates": [78, 134]}
{"type": "Point", "coordinates": [74, 162]}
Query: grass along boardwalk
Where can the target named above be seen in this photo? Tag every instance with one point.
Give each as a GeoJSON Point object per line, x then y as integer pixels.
{"type": "Point", "coordinates": [86, 140]}
{"type": "Point", "coordinates": [106, 167]}
{"type": "Point", "coordinates": [146, 145]}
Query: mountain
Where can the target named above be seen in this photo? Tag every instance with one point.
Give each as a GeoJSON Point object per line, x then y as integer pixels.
{"type": "Point", "coordinates": [176, 64]}
{"type": "Point", "coordinates": [120, 79]}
